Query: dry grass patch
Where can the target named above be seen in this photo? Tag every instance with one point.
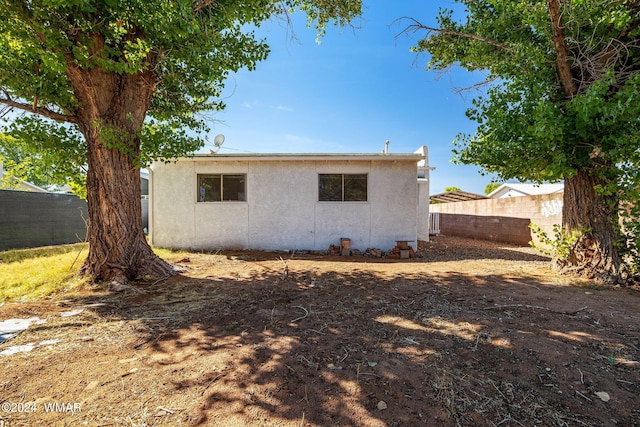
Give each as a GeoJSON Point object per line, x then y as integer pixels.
{"type": "Point", "coordinates": [30, 274]}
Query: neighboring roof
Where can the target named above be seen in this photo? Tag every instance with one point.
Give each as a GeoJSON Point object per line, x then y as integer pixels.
{"type": "Point", "coordinates": [32, 187]}
{"type": "Point", "coordinates": [27, 186]}
{"type": "Point", "coordinates": [455, 196]}
{"type": "Point", "coordinates": [528, 189]}
{"type": "Point", "coordinates": [307, 156]}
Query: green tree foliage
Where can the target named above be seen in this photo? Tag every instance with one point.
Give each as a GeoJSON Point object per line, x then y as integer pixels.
{"type": "Point", "coordinates": [630, 215]}
{"type": "Point", "coordinates": [491, 187]}
{"type": "Point", "coordinates": [110, 85]}
{"type": "Point", "coordinates": [451, 188]}
{"type": "Point", "coordinates": [41, 161]}
{"type": "Point", "coordinates": [562, 103]}
{"type": "Point", "coordinates": [188, 46]}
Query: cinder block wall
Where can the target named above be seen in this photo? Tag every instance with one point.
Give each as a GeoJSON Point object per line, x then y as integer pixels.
{"type": "Point", "coordinates": [501, 220]}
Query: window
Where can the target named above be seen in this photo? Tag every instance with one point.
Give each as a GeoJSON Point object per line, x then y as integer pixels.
{"type": "Point", "coordinates": [342, 187]}
{"type": "Point", "coordinates": [222, 188]}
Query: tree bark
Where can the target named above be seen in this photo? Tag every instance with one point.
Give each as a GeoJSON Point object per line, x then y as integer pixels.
{"type": "Point", "coordinates": [111, 112]}
{"type": "Point", "coordinates": [594, 254]}
{"type": "Point", "coordinates": [118, 250]}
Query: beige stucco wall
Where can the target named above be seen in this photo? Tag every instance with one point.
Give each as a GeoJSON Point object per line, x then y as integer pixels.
{"type": "Point", "coordinates": [282, 211]}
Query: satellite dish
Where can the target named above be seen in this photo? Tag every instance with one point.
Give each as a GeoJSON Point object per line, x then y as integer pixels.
{"type": "Point", "coordinates": [218, 140]}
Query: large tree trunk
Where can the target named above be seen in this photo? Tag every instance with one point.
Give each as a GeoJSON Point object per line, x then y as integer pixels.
{"type": "Point", "coordinates": [118, 249]}
{"type": "Point", "coordinates": [584, 209]}
{"type": "Point", "coordinates": [111, 112]}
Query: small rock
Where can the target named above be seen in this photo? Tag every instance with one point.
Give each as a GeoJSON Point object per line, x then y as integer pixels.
{"type": "Point", "coordinates": [382, 405]}
{"type": "Point", "coordinates": [603, 395]}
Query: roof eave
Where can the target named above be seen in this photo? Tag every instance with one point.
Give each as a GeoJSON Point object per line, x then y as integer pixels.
{"type": "Point", "coordinates": [413, 157]}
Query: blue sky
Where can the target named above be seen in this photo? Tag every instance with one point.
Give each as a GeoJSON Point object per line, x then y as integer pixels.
{"type": "Point", "coordinates": [359, 87]}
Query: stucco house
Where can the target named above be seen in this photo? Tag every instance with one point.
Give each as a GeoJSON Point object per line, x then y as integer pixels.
{"type": "Point", "coordinates": [289, 201]}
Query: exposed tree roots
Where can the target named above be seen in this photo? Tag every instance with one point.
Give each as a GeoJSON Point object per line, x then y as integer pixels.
{"type": "Point", "coordinates": [147, 267]}
{"type": "Point", "coordinates": [594, 259]}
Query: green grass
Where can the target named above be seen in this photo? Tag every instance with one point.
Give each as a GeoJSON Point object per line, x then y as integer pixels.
{"type": "Point", "coordinates": [46, 251]}
{"type": "Point", "coordinates": [30, 274]}
{"type": "Point", "coordinates": [170, 254]}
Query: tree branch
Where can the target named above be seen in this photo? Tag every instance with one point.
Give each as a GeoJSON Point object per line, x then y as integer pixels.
{"type": "Point", "coordinates": [562, 53]}
{"type": "Point", "coordinates": [417, 26]}
{"type": "Point", "coordinates": [38, 110]}
{"type": "Point", "coordinates": [202, 4]}
{"type": "Point", "coordinates": [476, 86]}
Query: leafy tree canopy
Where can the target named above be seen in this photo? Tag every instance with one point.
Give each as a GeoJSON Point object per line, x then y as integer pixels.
{"type": "Point", "coordinates": [188, 48]}
{"type": "Point", "coordinates": [41, 161]}
{"type": "Point", "coordinates": [529, 127]}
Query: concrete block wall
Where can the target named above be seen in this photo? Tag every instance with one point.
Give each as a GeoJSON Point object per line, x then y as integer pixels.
{"type": "Point", "coordinates": [502, 220]}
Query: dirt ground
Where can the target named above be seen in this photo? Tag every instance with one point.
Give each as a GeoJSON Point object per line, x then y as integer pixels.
{"type": "Point", "coordinates": [473, 334]}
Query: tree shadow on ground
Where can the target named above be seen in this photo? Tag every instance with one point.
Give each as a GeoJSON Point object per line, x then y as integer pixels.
{"type": "Point", "coordinates": [363, 349]}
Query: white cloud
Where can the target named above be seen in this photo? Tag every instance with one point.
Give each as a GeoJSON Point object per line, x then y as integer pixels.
{"type": "Point", "coordinates": [282, 108]}
{"type": "Point", "coordinates": [250, 105]}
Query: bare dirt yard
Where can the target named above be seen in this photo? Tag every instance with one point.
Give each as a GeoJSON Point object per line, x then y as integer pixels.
{"type": "Point", "coordinates": [473, 334]}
